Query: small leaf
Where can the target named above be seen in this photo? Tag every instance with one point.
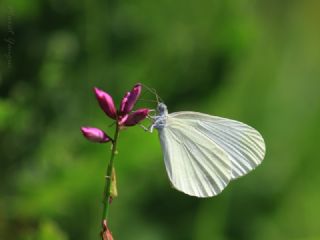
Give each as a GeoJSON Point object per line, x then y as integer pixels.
{"type": "Point", "coordinates": [113, 188]}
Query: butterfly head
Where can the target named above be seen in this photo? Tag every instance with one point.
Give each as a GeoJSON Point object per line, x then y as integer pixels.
{"type": "Point", "coordinates": [162, 109]}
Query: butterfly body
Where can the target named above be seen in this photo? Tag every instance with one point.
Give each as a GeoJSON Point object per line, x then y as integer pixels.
{"type": "Point", "coordinates": [203, 153]}
{"type": "Point", "coordinates": [160, 119]}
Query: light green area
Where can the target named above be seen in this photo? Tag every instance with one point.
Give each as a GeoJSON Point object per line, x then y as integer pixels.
{"type": "Point", "coordinates": [253, 61]}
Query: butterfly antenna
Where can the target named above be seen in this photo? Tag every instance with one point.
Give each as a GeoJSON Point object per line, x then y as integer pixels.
{"type": "Point", "coordinates": [147, 100]}
{"type": "Point", "coordinates": [153, 91]}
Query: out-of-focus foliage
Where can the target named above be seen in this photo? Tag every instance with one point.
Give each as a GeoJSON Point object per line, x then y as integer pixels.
{"type": "Point", "coordinates": [256, 61]}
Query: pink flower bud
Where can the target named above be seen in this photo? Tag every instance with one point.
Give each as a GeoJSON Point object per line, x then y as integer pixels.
{"type": "Point", "coordinates": [106, 233]}
{"type": "Point", "coordinates": [95, 134]}
{"type": "Point", "coordinates": [124, 102]}
{"type": "Point", "coordinates": [106, 102]}
{"type": "Point", "coordinates": [122, 119]}
{"type": "Point", "coordinates": [129, 99]}
{"type": "Point", "coordinates": [136, 117]}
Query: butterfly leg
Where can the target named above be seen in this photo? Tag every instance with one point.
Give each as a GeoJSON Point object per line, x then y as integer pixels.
{"type": "Point", "coordinates": [144, 127]}
{"type": "Point", "coordinates": [147, 129]}
{"type": "Point", "coordinates": [154, 113]}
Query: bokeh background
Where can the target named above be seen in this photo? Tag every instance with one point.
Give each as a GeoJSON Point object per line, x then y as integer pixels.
{"type": "Point", "coordinates": [256, 61]}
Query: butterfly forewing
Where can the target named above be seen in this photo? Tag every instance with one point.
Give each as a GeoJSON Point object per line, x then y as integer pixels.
{"type": "Point", "coordinates": [196, 165]}
{"type": "Point", "coordinates": [243, 144]}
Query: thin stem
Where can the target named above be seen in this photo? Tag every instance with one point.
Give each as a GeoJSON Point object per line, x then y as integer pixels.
{"type": "Point", "coordinates": [106, 201]}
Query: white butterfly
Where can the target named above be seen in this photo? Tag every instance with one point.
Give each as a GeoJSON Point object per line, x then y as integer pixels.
{"type": "Point", "coordinates": [203, 153]}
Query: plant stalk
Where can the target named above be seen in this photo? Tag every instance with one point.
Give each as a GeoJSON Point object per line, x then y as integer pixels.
{"type": "Point", "coordinates": [107, 193]}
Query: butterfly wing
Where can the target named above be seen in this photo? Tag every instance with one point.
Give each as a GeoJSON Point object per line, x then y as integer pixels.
{"type": "Point", "coordinates": [195, 164]}
{"type": "Point", "coordinates": [243, 144]}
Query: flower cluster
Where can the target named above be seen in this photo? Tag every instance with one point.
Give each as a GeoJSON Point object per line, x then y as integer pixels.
{"type": "Point", "coordinates": [124, 117]}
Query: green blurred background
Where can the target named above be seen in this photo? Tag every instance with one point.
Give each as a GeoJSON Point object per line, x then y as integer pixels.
{"type": "Point", "coordinates": [256, 61]}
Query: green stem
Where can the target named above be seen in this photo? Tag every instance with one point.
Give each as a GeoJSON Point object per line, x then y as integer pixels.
{"type": "Point", "coordinates": [106, 201]}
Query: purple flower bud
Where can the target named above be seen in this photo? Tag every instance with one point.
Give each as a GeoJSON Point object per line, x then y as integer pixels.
{"type": "Point", "coordinates": [136, 117]}
{"type": "Point", "coordinates": [130, 99]}
{"type": "Point", "coordinates": [124, 102]}
{"type": "Point", "coordinates": [122, 119]}
{"type": "Point", "coordinates": [95, 134]}
{"type": "Point", "coordinates": [105, 102]}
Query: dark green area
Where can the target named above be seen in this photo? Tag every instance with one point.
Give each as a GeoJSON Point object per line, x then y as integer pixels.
{"type": "Point", "coordinates": [249, 60]}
